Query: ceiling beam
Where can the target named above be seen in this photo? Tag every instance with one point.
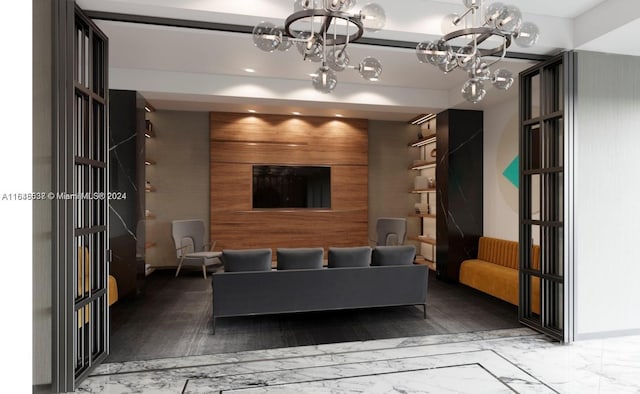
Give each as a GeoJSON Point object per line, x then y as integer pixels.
{"type": "Point", "coordinates": [235, 28]}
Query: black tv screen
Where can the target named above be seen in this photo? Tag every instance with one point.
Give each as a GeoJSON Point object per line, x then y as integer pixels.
{"type": "Point", "coordinates": [291, 187]}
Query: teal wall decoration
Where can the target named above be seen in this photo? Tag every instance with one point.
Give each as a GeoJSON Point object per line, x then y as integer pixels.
{"type": "Point", "coordinates": [512, 172]}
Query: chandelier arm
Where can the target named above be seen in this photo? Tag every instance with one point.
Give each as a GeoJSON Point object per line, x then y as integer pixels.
{"type": "Point", "coordinates": [340, 40]}
{"type": "Point", "coordinates": [326, 24]}
{"type": "Point", "coordinates": [461, 17]}
{"type": "Point", "coordinates": [504, 53]}
{"type": "Point", "coordinates": [483, 34]}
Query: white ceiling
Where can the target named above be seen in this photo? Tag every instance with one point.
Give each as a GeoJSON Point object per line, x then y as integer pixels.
{"type": "Point", "coordinates": [202, 70]}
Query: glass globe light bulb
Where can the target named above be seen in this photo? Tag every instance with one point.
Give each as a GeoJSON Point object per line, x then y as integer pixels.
{"type": "Point", "coordinates": [373, 17]}
{"type": "Point", "coordinates": [502, 79]}
{"type": "Point", "coordinates": [509, 20]}
{"type": "Point", "coordinates": [423, 51]}
{"type": "Point", "coordinates": [480, 71]}
{"type": "Point", "coordinates": [266, 36]}
{"type": "Point", "coordinates": [285, 42]}
{"type": "Point", "coordinates": [448, 24]}
{"type": "Point", "coordinates": [300, 5]}
{"type": "Point", "coordinates": [471, 3]}
{"type": "Point", "coordinates": [443, 53]}
{"type": "Point", "coordinates": [370, 69]}
{"type": "Point", "coordinates": [466, 58]}
{"type": "Point", "coordinates": [338, 58]}
{"type": "Point", "coordinates": [448, 66]}
{"type": "Point", "coordinates": [348, 4]}
{"type": "Point", "coordinates": [528, 35]}
{"type": "Point", "coordinates": [473, 90]}
{"type": "Point", "coordinates": [311, 48]}
{"type": "Point", "coordinates": [338, 5]}
{"type": "Point", "coordinates": [492, 13]}
{"type": "Point", "coordinates": [332, 5]}
{"type": "Point", "coordinates": [325, 80]}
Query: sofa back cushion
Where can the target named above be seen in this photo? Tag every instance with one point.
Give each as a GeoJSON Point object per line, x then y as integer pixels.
{"type": "Point", "coordinates": [503, 252]}
{"type": "Point", "coordinates": [246, 260]}
{"type": "Point", "coordinates": [393, 255]}
{"type": "Point", "coordinates": [349, 257]}
{"type": "Point", "coordinates": [299, 258]}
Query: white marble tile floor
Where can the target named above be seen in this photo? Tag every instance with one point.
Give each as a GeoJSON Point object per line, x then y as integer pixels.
{"type": "Point", "coordinates": [514, 360]}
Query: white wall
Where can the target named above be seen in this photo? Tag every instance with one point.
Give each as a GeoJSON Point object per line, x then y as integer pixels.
{"type": "Point", "coordinates": [607, 209]}
{"type": "Point", "coordinates": [389, 176]}
{"type": "Point", "coordinates": [180, 175]}
{"type": "Point", "coordinates": [500, 148]}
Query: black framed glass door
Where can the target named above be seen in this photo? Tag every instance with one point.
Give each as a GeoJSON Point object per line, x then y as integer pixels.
{"type": "Point", "coordinates": [546, 127]}
{"type": "Point", "coordinates": [81, 242]}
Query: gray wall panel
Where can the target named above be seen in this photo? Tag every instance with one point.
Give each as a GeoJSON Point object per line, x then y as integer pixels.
{"type": "Point", "coordinates": [607, 212]}
{"type": "Point", "coordinates": [42, 157]}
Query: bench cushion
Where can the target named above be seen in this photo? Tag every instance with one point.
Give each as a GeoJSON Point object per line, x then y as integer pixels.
{"type": "Point", "coordinates": [497, 280]}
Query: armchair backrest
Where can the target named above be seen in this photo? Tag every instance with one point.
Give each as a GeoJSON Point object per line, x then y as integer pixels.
{"type": "Point", "coordinates": [391, 231]}
{"type": "Point", "coordinates": [188, 235]}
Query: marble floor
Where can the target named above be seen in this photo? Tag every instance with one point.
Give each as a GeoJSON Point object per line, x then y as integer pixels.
{"type": "Point", "coordinates": [513, 360]}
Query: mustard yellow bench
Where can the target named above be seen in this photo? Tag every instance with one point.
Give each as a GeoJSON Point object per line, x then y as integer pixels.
{"type": "Point", "coordinates": [495, 271]}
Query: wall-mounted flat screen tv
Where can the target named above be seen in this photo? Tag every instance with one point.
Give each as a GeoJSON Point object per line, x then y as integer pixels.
{"type": "Point", "coordinates": [291, 187]}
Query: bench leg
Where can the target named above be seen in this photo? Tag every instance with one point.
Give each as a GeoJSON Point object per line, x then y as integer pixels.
{"type": "Point", "coordinates": [214, 326]}
{"type": "Point", "coordinates": [424, 307]}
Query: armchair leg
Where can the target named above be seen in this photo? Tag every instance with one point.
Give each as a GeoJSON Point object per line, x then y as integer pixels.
{"type": "Point", "coordinates": [178, 270]}
{"type": "Point", "coordinates": [204, 270]}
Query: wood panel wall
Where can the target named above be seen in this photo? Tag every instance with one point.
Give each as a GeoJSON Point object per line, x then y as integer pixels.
{"type": "Point", "coordinates": [239, 141]}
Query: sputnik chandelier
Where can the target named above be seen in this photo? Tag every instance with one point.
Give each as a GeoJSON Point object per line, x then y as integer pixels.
{"type": "Point", "coordinates": [321, 31]}
{"type": "Point", "coordinates": [476, 40]}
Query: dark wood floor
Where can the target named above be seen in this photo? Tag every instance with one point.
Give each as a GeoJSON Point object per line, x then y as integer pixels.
{"type": "Point", "coordinates": [172, 318]}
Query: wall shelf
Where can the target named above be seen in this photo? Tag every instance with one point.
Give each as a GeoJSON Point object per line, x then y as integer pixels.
{"type": "Point", "coordinates": [430, 139]}
{"type": "Point", "coordinates": [429, 190]}
{"type": "Point", "coordinates": [422, 215]}
{"type": "Point", "coordinates": [423, 165]}
{"type": "Point", "coordinates": [423, 239]}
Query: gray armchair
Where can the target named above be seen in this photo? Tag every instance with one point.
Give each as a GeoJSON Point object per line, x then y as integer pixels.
{"type": "Point", "coordinates": [191, 249]}
{"type": "Point", "coordinates": [391, 231]}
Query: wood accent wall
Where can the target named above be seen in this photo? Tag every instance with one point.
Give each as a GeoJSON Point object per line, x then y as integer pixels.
{"type": "Point", "coordinates": [238, 141]}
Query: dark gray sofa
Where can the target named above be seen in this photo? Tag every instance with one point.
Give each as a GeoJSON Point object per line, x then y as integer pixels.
{"type": "Point", "coordinates": [394, 281]}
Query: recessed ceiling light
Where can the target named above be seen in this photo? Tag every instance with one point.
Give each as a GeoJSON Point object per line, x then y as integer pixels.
{"type": "Point", "coordinates": [296, 113]}
{"type": "Point", "coordinates": [373, 79]}
{"type": "Point", "coordinates": [253, 111]}
{"type": "Point", "coordinates": [249, 70]}
{"type": "Point", "coordinates": [313, 75]}
{"type": "Point", "coordinates": [338, 115]}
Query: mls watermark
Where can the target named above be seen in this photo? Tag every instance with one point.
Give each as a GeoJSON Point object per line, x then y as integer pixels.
{"type": "Point", "coordinates": [39, 196]}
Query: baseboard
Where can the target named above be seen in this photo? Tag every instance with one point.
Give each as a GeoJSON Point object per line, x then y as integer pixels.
{"type": "Point", "coordinates": [41, 389]}
{"type": "Point", "coordinates": [607, 334]}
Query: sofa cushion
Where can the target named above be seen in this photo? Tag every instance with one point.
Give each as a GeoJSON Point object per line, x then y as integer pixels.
{"type": "Point", "coordinates": [246, 260]}
{"type": "Point", "coordinates": [393, 255]}
{"type": "Point", "coordinates": [349, 257]}
{"type": "Point", "coordinates": [299, 258]}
